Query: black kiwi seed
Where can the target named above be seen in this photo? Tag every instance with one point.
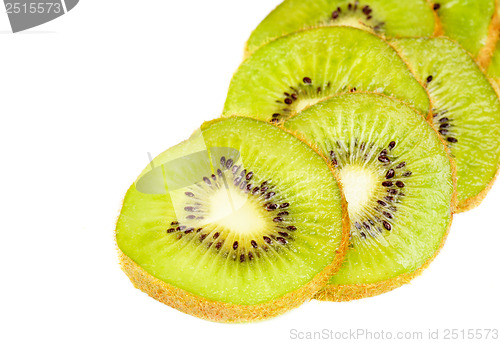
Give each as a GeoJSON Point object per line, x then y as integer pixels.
{"type": "Point", "coordinates": [271, 207]}
{"type": "Point", "coordinates": [288, 101]}
{"type": "Point", "coordinates": [214, 177]}
{"type": "Point", "coordinates": [444, 125]}
{"type": "Point", "coordinates": [291, 228]}
{"type": "Point", "coordinates": [276, 115]}
{"type": "Point", "coordinates": [307, 80]}
{"type": "Point", "coordinates": [390, 174]}
{"type": "Point", "coordinates": [429, 78]}
{"type": "Point", "coordinates": [269, 195]}
{"type": "Point", "coordinates": [250, 256]}
{"type": "Point", "coordinates": [242, 258]}
{"type": "Point", "coordinates": [249, 176]}
{"type": "Point", "coordinates": [408, 173]}
{"type": "Point", "coordinates": [216, 235]}
{"type": "Point", "coordinates": [388, 215]}
{"type": "Point", "coordinates": [174, 223]}
{"type": "Point", "coordinates": [223, 161]}
{"type": "Point", "coordinates": [170, 230]}
{"type": "Point", "coordinates": [335, 15]}
{"type": "Point", "coordinates": [229, 163]}
{"type": "Point", "coordinates": [284, 205]}
{"type": "Point", "coordinates": [400, 184]}
{"type": "Point", "coordinates": [392, 145]}
{"type": "Point", "coordinates": [392, 191]}
{"type": "Point", "coordinates": [235, 245]}
{"type": "Point", "coordinates": [444, 120]}
{"type": "Point", "coordinates": [191, 216]}
{"type": "Point", "coordinates": [381, 203]}
{"type": "Point", "coordinates": [284, 213]}
{"type": "Point", "coordinates": [267, 240]}
{"type": "Point", "coordinates": [207, 181]}
{"type": "Point", "coordinates": [383, 159]}
{"type": "Point", "coordinates": [436, 7]}
{"type": "Point", "coordinates": [452, 140]}
{"type": "Point", "coordinates": [443, 132]}
{"type": "Point", "coordinates": [189, 230]}
{"type": "Point", "coordinates": [387, 183]}
{"type": "Point", "coordinates": [387, 226]}
{"type": "Point", "coordinates": [189, 194]}
{"type": "Point", "coordinates": [277, 219]}
{"type": "Point", "coordinates": [284, 234]}
{"type": "Point", "coordinates": [218, 245]}
{"type": "Point", "coordinates": [281, 240]}
{"type": "Point", "coordinates": [401, 165]}
{"type": "Point", "coordinates": [254, 244]}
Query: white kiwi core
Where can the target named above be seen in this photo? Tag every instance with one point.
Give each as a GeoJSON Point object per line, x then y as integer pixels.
{"type": "Point", "coordinates": [359, 184]}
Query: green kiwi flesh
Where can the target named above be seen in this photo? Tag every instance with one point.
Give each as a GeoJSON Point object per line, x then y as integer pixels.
{"type": "Point", "coordinates": [391, 18]}
{"type": "Point", "coordinates": [466, 110]}
{"type": "Point", "coordinates": [397, 178]}
{"type": "Point", "coordinates": [300, 69]}
{"type": "Point", "coordinates": [466, 21]}
{"type": "Point", "coordinates": [241, 213]}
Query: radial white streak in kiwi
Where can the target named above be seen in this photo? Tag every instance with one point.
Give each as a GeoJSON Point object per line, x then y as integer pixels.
{"type": "Point", "coordinates": [302, 104]}
{"type": "Point", "coordinates": [359, 185]}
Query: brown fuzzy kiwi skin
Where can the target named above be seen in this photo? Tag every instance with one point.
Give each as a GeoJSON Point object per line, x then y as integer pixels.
{"type": "Point", "coordinates": [341, 293]}
{"type": "Point", "coordinates": [221, 312]}
{"type": "Point", "coordinates": [438, 28]}
{"type": "Point", "coordinates": [486, 52]}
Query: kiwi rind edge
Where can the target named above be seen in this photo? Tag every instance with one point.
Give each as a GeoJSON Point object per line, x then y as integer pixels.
{"type": "Point", "coordinates": [221, 312]}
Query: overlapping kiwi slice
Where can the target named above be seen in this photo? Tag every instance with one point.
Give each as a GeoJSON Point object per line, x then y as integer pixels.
{"type": "Point", "coordinates": [474, 24]}
{"type": "Point", "coordinates": [391, 18]}
{"type": "Point", "coordinates": [295, 71]}
{"type": "Point", "coordinates": [466, 111]}
{"type": "Point", "coordinates": [399, 184]}
{"type": "Point", "coordinates": [241, 222]}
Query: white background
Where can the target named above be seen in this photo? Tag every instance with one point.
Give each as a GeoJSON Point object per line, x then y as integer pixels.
{"type": "Point", "coordinates": [83, 99]}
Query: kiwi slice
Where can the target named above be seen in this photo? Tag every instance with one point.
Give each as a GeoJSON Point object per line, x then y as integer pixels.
{"type": "Point", "coordinates": [241, 222]}
{"type": "Point", "coordinates": [474, 24]}
{"type": "Point", "coordinates": [298, 70]}
{"type": "Point", "coordinates": [392, 18]}
{"type": "Point", "coordinates": [466, 111]}
{"type": "Point", "coordinates": [398, 181]}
